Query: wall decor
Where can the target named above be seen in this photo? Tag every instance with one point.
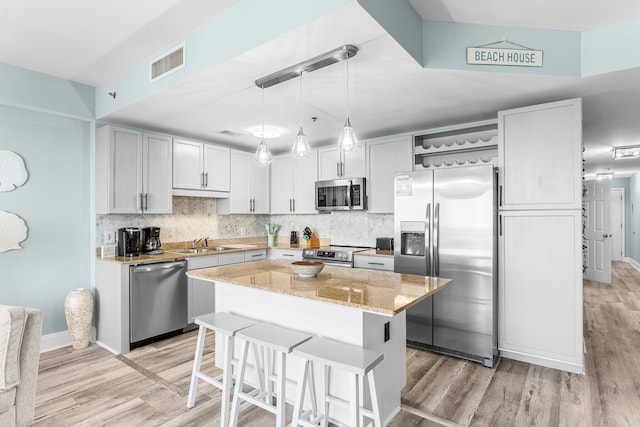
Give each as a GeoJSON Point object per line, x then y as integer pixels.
{"type": "Point", "coordinates": [13, 230]}
{"type": "Point", "coordinates": [13, 172]}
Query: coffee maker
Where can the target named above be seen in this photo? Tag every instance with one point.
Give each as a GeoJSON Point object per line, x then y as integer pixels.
{"type": "Point", "coordinates": [151, 240]}
{"type": "Point", "coordinates": [130, 241]}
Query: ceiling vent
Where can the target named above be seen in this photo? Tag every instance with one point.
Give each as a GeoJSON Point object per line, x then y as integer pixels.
{"type": "Point", "coordinates": [230, 133]}
{"type": "Point", "coordinates": [167, 64]}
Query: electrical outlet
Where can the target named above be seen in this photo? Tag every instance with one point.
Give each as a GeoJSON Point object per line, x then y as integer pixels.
{"type": "Point", "coordinates": [109, 237]}
{"type": "Point", "coordinates": [243, 231]}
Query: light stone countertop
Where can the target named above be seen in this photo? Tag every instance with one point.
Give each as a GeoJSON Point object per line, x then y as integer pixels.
{"type": "Point", "coordinates": [381, 292]}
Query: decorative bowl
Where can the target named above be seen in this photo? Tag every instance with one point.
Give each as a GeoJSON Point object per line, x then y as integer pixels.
{"type": "Point", "coordinates": [307, 268]}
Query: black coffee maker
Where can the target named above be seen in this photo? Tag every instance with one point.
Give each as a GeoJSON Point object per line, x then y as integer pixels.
{"type": "Point", "coordinates": [151, 240]}
{"type": "Point", "coordinates": [130, 241]}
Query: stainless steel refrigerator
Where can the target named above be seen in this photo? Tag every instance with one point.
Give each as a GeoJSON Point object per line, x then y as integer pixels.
{"type": "Point", "coordinates": [445, 225]}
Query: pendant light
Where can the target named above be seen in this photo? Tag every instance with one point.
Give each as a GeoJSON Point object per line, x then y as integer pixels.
{"type": "Point", "coordinates": [301, 147]}
{"type": "Point", "coordinates": [263, 154]}
{"type": "Point", "coordinates": [348, 140]}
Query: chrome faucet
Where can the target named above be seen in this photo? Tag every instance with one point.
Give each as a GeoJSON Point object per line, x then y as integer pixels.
{"type": "Point", "coordinates": [195, 242]}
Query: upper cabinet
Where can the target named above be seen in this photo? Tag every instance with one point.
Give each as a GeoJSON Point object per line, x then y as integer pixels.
{"type": "Point", "coordinates": [386, 156]}
{"type": "Point", "coordinates": [201, 169]}
{"type": "Point", "coordinates": [334, 164]}
{"type": "Point", "coordinates": [293, 184]}
{"type": "Point", "coordinates": [249, 186]}
{"type": "Point", "coordinates": [133, 171]}
{"type": "Point", "coordinates": [540, 156]}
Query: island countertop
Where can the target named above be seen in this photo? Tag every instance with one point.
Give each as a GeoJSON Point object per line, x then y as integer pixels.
{"type": "Point", "coordinates": [381, 292]}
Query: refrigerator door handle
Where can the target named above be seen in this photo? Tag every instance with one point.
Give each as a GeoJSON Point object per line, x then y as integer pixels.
{"type": "Point", "coordinates": [427, 252]}
{"type": "Point", "coordinates": [436, 240]}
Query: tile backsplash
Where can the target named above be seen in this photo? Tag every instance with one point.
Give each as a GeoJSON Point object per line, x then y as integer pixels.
{"type": "Point", "coordinates": [195, 217]}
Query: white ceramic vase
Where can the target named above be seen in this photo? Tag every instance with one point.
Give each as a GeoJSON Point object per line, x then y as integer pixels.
{"type": "Point", "coordinates": [78, 310]}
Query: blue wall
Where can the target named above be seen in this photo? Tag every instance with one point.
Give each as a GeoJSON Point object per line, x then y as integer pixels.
{"type": "Point", "coordinates": [53, 132]}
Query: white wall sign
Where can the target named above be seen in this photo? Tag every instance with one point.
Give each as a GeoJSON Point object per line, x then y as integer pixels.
{"type": "Point", "coordinates": [13, 172]}
{"type": "Point", "coordinates": [13, 230]}
{"type": "Point", "coordinates": [496, 56]}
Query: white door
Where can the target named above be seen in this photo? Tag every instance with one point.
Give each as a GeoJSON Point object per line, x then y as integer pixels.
{"type": "Point", "coordinates": [616, 219]}
{"type": "Point", "coordinates": [597, 250]}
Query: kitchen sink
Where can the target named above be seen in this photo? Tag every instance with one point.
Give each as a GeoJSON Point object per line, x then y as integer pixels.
{"type": "Point", "coordinates": [197, 250]}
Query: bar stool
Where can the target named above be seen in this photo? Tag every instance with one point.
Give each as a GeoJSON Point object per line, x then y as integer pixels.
{"type": "Point", "coordinates": [227, 325]}
{"type": "Point", "coordinates": [272, 339]}
{"type": "Point", "coordinates": [357, 361]}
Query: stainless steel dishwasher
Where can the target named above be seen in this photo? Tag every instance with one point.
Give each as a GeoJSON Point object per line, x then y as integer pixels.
{"type": "Point", "coordinates": [157, 300]}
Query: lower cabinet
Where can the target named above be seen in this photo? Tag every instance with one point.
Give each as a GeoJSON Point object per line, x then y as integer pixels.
{"type": "Point", "coordinates": [201, 294]}
{"type": "Point", "coordinates": [540, 288]}
{"type": "Point", "coordinates": [286, 254]}
{"type": "Point", "coordinates": [373, 262]}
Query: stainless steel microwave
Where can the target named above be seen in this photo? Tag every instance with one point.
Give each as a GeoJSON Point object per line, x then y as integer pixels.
{"type": "Point", "coordinates": [341, 194]}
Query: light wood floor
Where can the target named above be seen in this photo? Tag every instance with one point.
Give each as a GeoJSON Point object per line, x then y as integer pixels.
{"type": "Point", "coordinates": [149, 386]}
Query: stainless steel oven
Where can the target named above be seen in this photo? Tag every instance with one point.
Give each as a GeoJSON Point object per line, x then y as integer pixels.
{"type": "Point", "coordinates": [341, 194]}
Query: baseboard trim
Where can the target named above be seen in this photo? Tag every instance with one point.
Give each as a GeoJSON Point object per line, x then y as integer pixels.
{"type": "Point", "coordinates": [60, 339]}
{"type": "Point", "coordinates": [635, 264]}
{"type": "Point", "coordinates": [543, 361]}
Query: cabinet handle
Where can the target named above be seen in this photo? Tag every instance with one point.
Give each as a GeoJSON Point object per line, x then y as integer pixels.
{"type": "Point", "coordinates": [290, 206]}
{"type": "Point", "coordinates": [140, 205]}
{"type": "Point", "coordinates": [256, 255]}
{"type": "Point", "coordinates": [375, 263]}
{"type": "Point", "coordinates": [500, 195]}
{"type": "Point", "coordinates": [341, 169]}
{"type": "Point", "coordinates": [146, 201]}
{"type": "Point", "coordinates": [294, 205]}
{"type": "Point", "coordinates": [206, 179]}
{"type": "Point", "coordinates": [288, 255]}
{"type": "Point", "coordinates": [500, 224]}
{"type": "Point", "coordinates": [338, 169]}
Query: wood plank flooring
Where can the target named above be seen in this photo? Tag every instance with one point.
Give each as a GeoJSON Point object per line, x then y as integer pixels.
{"type": "Point", "coordinates": [149, 386]}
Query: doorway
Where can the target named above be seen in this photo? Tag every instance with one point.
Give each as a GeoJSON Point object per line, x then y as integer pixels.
{"type": "Point", "coordinates": [617, 224]}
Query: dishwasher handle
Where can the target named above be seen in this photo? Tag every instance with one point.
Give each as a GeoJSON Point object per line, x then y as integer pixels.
{"type": "Point", "coordinates": [171, 265]}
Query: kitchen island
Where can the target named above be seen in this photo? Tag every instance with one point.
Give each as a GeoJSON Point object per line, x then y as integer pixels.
{"type": "Point", "coordinates": [356, 306]}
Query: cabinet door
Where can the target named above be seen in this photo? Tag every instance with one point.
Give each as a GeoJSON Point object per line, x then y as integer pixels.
{"type": "Point", "coordinates": [305, 175]}
{"type": "Point", "coordinates": [260, 187]}
{"type": "Point", "coordinates": [217, 165]}
{"type": "Point", "coordinates": [386, 157]}
{"type": "Point", "coordinates": [540, 288]}
{"type": "Point", "coordinates": [125, 171]}
{"type": "Point", "coordinates": [540, 156]}
{"type": "Point", "coordinates": [241, 175]}
{"type": "Point", "coordinates": [281, 185]}
{"type": "Point", "coordinates": [354, 163]}
{"type": "Point", "coordinates": [187, 164]}
{"type": "Point", "coordinates": [328, 164]}
{"type": "Point", "coordinates": [156, 166]}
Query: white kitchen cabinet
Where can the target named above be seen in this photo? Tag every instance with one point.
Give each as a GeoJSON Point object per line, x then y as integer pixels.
{"type": "Point", "coordinates": [334, 164]}
{"type": "Point", "coordinates": [540, 288]}
{"type": "Point", "coordinates": [133, 172]}
{"type": "Point", "coordinates": [540, 156]}
{"type": "Point", "coordinates": [201, 293]}
{"type": "Point", "coordinates": [231, 258]}
{"type": "Point", "coordinates": [373, 262]}
{"type": "Point", "coordinates": [385, 157]}
{"type": "Point", "coordinates": [293, 184]}
{"type": "Point", "coordinates": [200, 169]}
{"type": "Point", "coordinates": [255, 255]}
{"type": "Point", "coordinates": [286, 254]}
{"type": "Point", "coordinates": [249, 186]}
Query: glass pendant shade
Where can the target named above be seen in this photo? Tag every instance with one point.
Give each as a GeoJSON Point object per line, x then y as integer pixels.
{"type": "Point", "coordinates": [263, 154]}
{"type": "Point", "coordinates": [348, 140]}
{"type": "Point", "coordinates": [301, 147]}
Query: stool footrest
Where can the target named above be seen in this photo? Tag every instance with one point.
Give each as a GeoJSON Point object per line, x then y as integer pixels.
{"type": "Point", "coordinates": [255, 400]}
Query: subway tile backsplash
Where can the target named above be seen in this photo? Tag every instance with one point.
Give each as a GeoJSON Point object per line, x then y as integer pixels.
{"type": "Point", "coordinates": [195, 217]}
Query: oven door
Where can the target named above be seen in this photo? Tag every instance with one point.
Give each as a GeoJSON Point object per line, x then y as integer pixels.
{"type": "Point", "coordinates": [341, 194]}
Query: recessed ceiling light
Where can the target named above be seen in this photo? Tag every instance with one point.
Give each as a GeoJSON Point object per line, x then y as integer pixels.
{"type": "Point", "coordinates": [605, 175]}
{"type": "Point", "coordinates": [628, 152]}
{"type": "Point", "coordinates": [270, 132]}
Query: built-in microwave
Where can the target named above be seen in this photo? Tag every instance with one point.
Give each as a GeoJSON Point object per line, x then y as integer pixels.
{"type": "Point", "coordinates": [341, 194]}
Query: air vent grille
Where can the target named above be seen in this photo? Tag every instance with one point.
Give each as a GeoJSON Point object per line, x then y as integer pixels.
{"type": "Point", "coordinates": [230, 133]}
{"type": "Point", "coordinates": [167, 64]}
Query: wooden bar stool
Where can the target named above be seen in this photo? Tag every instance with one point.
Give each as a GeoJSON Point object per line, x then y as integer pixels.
{"type": "Point", "coordinates": [227, 325]}
{"type": "Point", "coordinates": [357, 361]}
{"type": "Point", "coordinates": [272, 339]}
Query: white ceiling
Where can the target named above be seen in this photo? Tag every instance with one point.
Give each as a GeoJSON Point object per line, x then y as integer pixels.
{"type": "Point", "coordinates": [389, 92]}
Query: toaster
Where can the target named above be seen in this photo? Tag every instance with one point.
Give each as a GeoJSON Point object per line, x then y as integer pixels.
{"type": "Point", "coordinates": [384, 243]}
